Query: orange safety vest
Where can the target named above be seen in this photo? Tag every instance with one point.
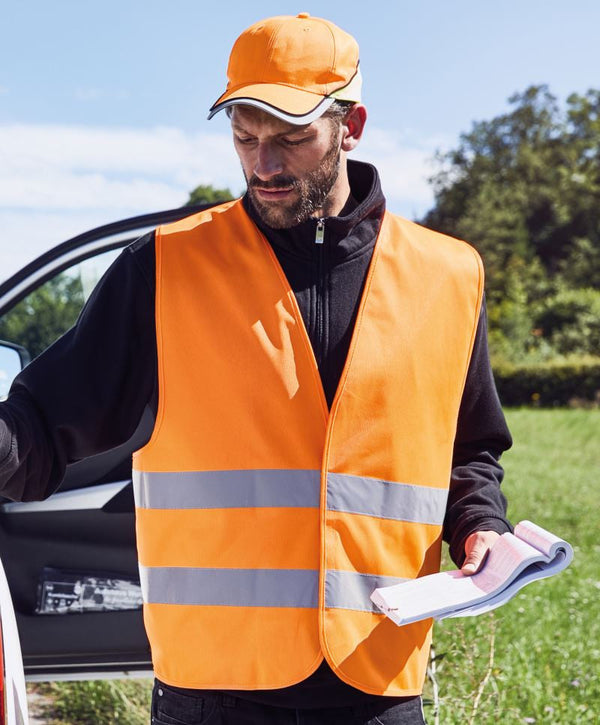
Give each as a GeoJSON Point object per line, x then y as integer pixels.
{"type": "Point", "coordinates": [264, 521]}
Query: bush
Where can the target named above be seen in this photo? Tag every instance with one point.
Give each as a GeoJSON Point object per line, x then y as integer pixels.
{"type": "Point", "coordinates": [574, 381]}
{"type": "Point", "coordinates": [570, 320]}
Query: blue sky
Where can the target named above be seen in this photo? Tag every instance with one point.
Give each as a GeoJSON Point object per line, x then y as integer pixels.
{"type": "Point", "coordinates": [103, 105]}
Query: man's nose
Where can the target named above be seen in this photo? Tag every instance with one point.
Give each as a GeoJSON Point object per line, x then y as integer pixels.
{"type": "Point", "coordinates": [268, 162]}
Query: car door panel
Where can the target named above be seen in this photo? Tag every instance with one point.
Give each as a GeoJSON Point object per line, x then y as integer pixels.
{"type": "Point", "coordinates": [87, 527]}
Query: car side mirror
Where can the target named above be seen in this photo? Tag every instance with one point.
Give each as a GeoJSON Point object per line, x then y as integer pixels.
{"type": "Point", "coordinates": [13, 359]}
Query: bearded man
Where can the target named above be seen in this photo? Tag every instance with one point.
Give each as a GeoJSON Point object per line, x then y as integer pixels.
{"type": "Point", "coordinates": [325, 411]}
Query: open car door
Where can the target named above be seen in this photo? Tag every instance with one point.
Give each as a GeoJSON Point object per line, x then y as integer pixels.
{"type": "Point", "coordinates": [70, 560]}
{"type": "Point", "coordinates": [13, 697]}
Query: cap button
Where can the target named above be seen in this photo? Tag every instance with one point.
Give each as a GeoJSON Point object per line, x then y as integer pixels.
{"type": "Point", "coordinates": [303, 15]}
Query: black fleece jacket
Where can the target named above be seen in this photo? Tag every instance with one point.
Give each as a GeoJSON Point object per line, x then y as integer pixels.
{"type": "Point", "coordinates": [87, 392]}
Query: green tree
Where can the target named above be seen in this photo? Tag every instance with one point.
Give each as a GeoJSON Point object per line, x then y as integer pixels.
{"type": "Point", "coordinates": [44, 315]}
{"type": "Point", "coordinates": [207, 194]}
{"type": "Point", "coordinates": [524, 188]}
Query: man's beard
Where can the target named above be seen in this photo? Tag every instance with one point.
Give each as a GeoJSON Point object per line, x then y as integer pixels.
{"type": "Point", "coordinates": [312, 191]}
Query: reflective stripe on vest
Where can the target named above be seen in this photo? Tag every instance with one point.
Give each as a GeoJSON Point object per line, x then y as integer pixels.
{"type": "Point", "coordinates": [230, 587]}
{"type": "Point", "coordinates": [264, 520]}
{"type": "Point", "coordinates": [386, 499]}
{"type": "Point", "coordinates": [267, 488]}
{"type": "Point", "coordinates": [226, 489]}
{"type": "Point", "coordinates": [259, 587]}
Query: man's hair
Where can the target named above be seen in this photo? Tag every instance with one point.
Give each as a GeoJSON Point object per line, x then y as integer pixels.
{"type": "Point", "coordinates": [338, 110]}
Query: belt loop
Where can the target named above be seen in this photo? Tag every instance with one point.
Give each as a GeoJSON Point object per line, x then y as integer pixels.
{"type": "Point", "coordinates": [228, 701]}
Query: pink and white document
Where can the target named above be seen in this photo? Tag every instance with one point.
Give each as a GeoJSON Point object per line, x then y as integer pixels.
{"type": "Point", "coordinates": [515, 560]}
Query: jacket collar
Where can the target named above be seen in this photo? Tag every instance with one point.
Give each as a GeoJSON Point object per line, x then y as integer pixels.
{"type": "Point", "coordinates": [354, 231]}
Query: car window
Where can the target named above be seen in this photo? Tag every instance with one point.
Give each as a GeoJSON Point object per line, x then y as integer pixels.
{"type": "Point", "coordinates": [10, 364]}
{"type": "Point", "coordinates": [52, 308]}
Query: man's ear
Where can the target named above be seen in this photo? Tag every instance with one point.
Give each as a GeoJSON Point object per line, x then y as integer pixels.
{"type": "Point", "coordinates": [353, 126]}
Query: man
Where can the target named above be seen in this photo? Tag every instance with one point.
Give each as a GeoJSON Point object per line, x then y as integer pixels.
{"type": "Point", "coordinates": [324, 411]}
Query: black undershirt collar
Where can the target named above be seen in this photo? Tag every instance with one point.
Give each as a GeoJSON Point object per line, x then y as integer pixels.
{"type": "Point", "coordinates": [348, 234]}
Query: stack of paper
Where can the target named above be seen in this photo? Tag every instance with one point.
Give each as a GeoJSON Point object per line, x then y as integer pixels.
{"type": "Point", "coordinates": [515, 560]}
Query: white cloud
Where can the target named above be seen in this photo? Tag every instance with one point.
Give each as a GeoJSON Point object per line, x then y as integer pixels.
{"type": "Point", "coordinates": [57, 181]}
{"type": "Point", "coordinates": [47, 166]}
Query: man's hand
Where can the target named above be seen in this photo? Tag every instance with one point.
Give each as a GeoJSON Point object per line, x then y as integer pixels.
{"type": "Point", "coordinates": [477, 546]}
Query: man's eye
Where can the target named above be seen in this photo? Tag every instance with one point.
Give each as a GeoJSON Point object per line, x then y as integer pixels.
{"type": "Point", "coordinates": [294, 142]}
{"type": "Point", "coordinates": [245, 139]}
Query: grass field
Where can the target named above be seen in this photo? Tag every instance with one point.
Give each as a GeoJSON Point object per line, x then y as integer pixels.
{"type": "Point", "coordinates": [545, 663]}
{"type": "Point", "coordinates": [535, 660]}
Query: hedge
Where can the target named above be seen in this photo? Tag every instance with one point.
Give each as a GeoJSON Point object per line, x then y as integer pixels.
{"type": "Point", "coordinates": [553, 383]}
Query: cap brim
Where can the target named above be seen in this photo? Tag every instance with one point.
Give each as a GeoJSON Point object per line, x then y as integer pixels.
{"type": "Point", "coordinates": [289, 104]}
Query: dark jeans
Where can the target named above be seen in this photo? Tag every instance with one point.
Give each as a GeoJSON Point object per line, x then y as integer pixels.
{"type": "Point", "coordinates": [174, 708]}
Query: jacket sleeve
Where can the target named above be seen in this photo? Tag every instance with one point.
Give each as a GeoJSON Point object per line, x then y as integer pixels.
{"type": "Point", "coordinates": [475, 501]}
{"type": "Point", "coordinates": [86, 393]}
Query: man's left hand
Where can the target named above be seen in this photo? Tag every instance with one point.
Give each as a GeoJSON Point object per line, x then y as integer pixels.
{"type": "Point", "coordinates": [477, 546]}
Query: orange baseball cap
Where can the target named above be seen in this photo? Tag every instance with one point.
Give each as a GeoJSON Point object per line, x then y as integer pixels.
{"type": "Point", "coordinates": [292, 67]}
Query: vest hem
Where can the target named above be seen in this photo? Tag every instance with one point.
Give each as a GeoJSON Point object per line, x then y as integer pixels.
{"type": "Point", "coordinates": [392, 692]}
{"type": "Point", "coordinates": [236, 686]}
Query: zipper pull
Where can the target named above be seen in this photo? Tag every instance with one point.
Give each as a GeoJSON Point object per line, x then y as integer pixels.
{"type": "Point", "coordinates": [320, 235]}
